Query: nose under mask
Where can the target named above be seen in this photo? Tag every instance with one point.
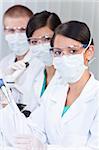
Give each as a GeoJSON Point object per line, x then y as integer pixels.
{"type": "Point", "coordinates": [17, 43]}
{"type": "Point", "coordinates": [71, 68]}
{"type": "Point", "coordinates": [42, 52]}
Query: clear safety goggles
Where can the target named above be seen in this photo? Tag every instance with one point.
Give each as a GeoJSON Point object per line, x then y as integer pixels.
{"type": "Point", "coordinates": [39, 40]}
{"type": "Point", "coordinates": [9, 30]}
{"type": "Point", "coordinates": [68, 50]}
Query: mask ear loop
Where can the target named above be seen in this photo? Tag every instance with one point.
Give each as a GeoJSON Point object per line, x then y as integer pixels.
{"type": "Point", "coordinates": [88, 44]}
{"type": "Point", "coordinates": [94, 58]}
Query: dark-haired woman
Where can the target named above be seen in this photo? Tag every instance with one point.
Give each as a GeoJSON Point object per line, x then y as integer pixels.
{"type": "Point", "coordinates": [40, 30]}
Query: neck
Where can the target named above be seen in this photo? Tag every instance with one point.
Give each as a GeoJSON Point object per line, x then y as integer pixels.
{"type": "Point", "coordinates": [50, 73]}
{"type": "Point", "coordinates": [75, 89]}
{"type": "Point", "coordinates": [21, 57]}
{"type": "Point", "coordinates": [79, 85]}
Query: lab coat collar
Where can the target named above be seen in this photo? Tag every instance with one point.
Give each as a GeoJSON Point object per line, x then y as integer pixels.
{"type": "Point", "coordinates": [58, 99]}
{"type": "Point", "coordinates": [86, 96]}
{"type": "Point", "coordinates": [41, 75]}
{"type": "Point", "coordinates": [59, 102]}
{"type": "Point", "coordinates": [88, 91]}
{"type": "Point", "coordinates": [28, 56]}
{"type": "Point", "coordinates": [39, 82]}
{"type": "Point", "coordinates": [62, 89]}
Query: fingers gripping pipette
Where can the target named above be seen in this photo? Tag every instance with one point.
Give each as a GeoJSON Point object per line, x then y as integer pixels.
{"type": "Point", "coordinates": [3, 88]}
{"type": "Point", "coordinates": [6, 91]}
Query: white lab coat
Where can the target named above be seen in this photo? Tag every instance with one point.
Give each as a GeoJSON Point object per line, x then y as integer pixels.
{"type": "Point", "coordinates": [79, 127]}
{"type": "Point", "coordinates": [32, 77]}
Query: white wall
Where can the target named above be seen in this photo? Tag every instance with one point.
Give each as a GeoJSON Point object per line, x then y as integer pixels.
{"type": "Point", "coordinates": [83, 10]}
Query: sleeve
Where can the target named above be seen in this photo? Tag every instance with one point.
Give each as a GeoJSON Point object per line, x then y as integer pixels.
{"type": "Point", "coordinates": [94, 131]}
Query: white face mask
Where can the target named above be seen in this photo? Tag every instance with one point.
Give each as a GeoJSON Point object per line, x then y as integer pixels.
{"type": "Point", "coordinates": [71, 68]}
{"type": "Point", "coordinates": [42, 52]}
{"type": "Point", "coordinates": [17, 43]}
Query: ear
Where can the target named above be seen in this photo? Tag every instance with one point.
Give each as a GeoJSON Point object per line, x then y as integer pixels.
{"type": "Point", "coordinates": [89, 53]}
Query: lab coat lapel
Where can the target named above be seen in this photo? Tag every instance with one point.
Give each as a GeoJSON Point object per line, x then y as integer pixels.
{"type": "Point", "coordinates": [38, 83]}
{"type": "Point", "coordinates": [78, 106]}
{"type": "Point", "coordinates": [75, 109]}
{"type": "Point", "coordinates": [28, 57]}
{"type": "Point", "coordinates": [57, 100]}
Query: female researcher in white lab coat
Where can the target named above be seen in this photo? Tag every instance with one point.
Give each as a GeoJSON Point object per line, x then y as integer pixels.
{"type": "Point", "coordinates": [70, 115]}
{"type": "Point", "coordinates": [40, 30]}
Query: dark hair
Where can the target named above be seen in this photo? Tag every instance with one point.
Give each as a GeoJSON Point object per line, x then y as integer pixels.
{"type": "Point", "coordinates": [74, 29]}
{"type": "Point", "coordinates": [42, 19]}
{"type": "Point", "coordinates": [17, 11]}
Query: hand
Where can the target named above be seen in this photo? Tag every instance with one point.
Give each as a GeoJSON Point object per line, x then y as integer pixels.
{"type": "Point", "coordinates": [14, 71]}
{"type": "Point", "coordinates": [19, 65]}
{"type": "Point", "coordinates": [13, 67]}
{"type": "Point", "coordinates": [27, 142]}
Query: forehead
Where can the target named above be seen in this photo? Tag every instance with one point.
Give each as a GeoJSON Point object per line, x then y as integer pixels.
{"type": "Point", "coordinates": [42, 32]}
{"type": "Point", "coordinates": [62, 41]}
{"type": "Point", "coordinates": [16, 22]}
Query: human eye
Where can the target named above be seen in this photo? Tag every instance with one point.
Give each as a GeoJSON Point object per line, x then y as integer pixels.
{"type": "Point", "coordinates": [47, 39]}
{"type": "Point", "coordinates": [22, 29]}
{"type": "Point", "coordinates": [33, 42]}
{"type": "Point", "coordinates": [11, 30]}
{"type": "Point", "coordinates": [72, 50]}
{"type": "Point", "coordinates": [57, 52]}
